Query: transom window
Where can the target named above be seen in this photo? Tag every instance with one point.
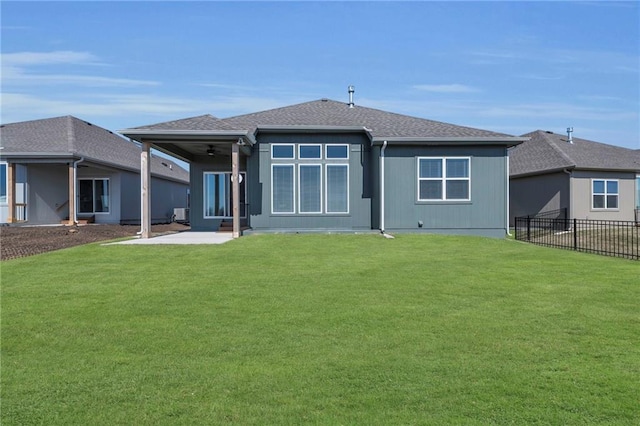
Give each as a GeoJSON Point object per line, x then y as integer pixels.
{"type": "Point", "coordinates": [444, 178]}
{"type": "Point", "coordinates": [604, 194]}
{"type": "Point", "coordinates": [93, 195]}
{"type": "Point", "coordinates": [316, 182]}
{"type": "Point", "coordinates": [282, 151]}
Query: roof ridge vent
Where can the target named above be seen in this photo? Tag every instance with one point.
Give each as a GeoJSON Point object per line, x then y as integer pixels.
{"type": "Point", "coordinates": [352, 89]}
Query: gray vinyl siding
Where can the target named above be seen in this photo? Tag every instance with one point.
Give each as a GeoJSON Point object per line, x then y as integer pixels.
{"type": "Point", "coordinates": [47, 193]}
{"type": "Point", "coordinates": [484, 214]}
{"type": "Point", "coordinates": [360, 186]}
{"type": "Point", "coordinates": [535, 194]}
{"type": "Point", "coordinates": [581, 187]}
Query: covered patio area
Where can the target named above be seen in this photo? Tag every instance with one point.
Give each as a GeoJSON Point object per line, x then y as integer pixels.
{"type": "Point", "coordinates": [200, 140]}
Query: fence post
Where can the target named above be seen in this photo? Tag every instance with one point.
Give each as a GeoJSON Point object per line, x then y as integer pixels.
{"type": "Point", "coordinates": [528, 228]}
{"type": "Point", "coordinates": [575, 234]}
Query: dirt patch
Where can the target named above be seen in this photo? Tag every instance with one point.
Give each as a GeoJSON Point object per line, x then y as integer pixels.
{"type": "Point", "coordinates": [21, 241]}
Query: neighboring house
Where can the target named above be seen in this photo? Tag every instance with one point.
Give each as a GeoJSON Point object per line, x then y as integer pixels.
{"type": "Point", "coordinates": [333, 166]}
{"type": "Point", "coordinates": [66, 170]}
{"type": "Point", "coordinates": [591, 180]}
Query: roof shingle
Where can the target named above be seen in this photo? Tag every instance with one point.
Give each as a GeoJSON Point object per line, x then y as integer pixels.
{"type": "Point", "coordinates": [547, 151]}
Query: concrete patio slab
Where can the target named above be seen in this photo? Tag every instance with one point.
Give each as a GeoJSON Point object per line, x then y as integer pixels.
{"type": "Point", "coordinates": [187, 237]}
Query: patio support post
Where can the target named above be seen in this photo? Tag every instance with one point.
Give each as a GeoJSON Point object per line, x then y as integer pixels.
{"type": "Point", "coordinates": [235, 187]}
{"type": "Point", "coordinates": [72, 194]}
{"type": "Point", "coordinates": [11, 192]}
{"type": "Point", "coordinates": [145, 190]}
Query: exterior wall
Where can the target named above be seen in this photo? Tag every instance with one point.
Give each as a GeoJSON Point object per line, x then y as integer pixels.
{"type": "Point", "coordinates": [196, 170]}
{"type": "Point", "coordinates": [581, 196]}
{"type": "Point", "coordinates": [47, 193]}
{"type": "Point", "coordinates": [165, 196]}
{"type": "Point", "coordinates": [360, 186]}
{"type": "Point", "coordinates": [534, 194]}
{"type": "Point", "coordinates": [484, 214]}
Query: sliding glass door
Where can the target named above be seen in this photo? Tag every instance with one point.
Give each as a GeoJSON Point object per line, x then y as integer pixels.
{"type": "Point", "coordinates": [218, 195]}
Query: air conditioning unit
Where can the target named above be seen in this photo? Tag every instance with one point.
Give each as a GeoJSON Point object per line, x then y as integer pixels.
{"type": "Point", "coordinates": [181, 214]}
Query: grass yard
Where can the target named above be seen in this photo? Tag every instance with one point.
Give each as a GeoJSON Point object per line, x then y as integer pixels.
{"type": "Point", "coordinates": [321, 329]}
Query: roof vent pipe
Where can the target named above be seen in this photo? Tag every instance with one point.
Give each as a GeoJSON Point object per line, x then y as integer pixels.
{"type": "Point", "coordinates": [351, 90]}
{"type": "Point", "coordinates": [569, 131]}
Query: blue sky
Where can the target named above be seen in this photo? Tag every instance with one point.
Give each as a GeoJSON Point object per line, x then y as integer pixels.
{"type": "Point", "coordinates": [511, 67]}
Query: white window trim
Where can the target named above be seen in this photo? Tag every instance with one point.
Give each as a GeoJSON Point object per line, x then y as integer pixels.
{"type": "Point", "coordinates": [326, 188]}
{"type": "Point", "coordinates": [319, 166]}
{"type": "Point", "coordinates": [309, 144]}
{"type": "Point", "coordinates": [293, 150]}
{"type": "Point", "coordinates": [93, 189]}
{"type": "Point", "coordinates": [293, 166]}
{"type": "Point", "coordinates": [442, 179]}
{"type": "Point", "coordinates": [204, 206]}
{"type": "Point", "coordinates": [605, 194]}
{"type": "Point", "coordinates": [326, 148]}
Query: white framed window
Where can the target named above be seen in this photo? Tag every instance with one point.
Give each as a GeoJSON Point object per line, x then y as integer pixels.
{"type": "Point", "coordinates": [316, 182]}
{"type": "Point", "coordinates": [444, 178]}
{"type": "Point", "coordinates": [309, 151]}
{"type": "Point", "coordinates": [282, 188]}
{"type": "Point", "coordinates": [282, 151]}
{"type": "Point", "coordinates": [337, 188]}
{"type": "Point", "coordinates": [4, 179]}
{"type": "Point", "coordinates": [336, 152]}
{"type": "Point", "coordinates": [218, 195]}
{"type": "Point", "coordinates": [604, 194]}
{"type": "Point", "coordinates": [310, 188]}
{"type": "Point", "coordinates": [93, 195]}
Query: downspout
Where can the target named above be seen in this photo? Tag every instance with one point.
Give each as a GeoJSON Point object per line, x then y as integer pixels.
{"type": "Point", "coordinates": [75, 189]}
{"type": "Point", "coordinates": [570, 212]}
{"type": "Point", "coordinates": [508, 199]}
{"type": "Point", "coordinates": [384, 146]}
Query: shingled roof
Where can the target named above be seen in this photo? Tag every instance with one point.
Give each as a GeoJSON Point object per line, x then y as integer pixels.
{"type": "Point", "coordinates": [547, 152]}
{"type": "Point", "coordinates": [326, 113]}
{"type": "Point", "coordinates": [71, 137]}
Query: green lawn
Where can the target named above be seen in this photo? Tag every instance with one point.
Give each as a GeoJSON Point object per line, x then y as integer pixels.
{"type": "Point", "coordinates": [321, 329]}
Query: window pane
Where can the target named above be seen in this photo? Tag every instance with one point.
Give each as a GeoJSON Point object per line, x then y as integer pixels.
{"type": "Point", "coordinates": [598, 201]}
{"type": "Point", "coordinates": [458, 168]}
{"type": "Point", "coordinates": [612, 201]}
{"type": "Point", "coordinates": [612, 187]}
{"type": "Point", "coordinates": [598, 187]}
{"type": "Point", "coordinates": [102, 195]}
{"type": "Point", "coordinates": [3, 183]}
{"type": "Point", "coordinates": [282, 187]}
{"type": "Point", "coordinates": [337, 189]}
{"type": "Point", "coordinates": [337, 151]}
{"type": "Point", "coordinates": [282, 151]}
{"type": "Point", "coordinates": [215, 195]}
{"type": "Point", "coordinates": [457, 190]}
{"type": "Point", "coordinates": [310, 151]}
{"type": "Point", "coordinates": [430, 168]}
{"type": "Point", "coordinates": [85, 192]}
{"type": "Point", "coordinates": [431, 190]}
{"type": "Point", "coordinates": [310, 189]}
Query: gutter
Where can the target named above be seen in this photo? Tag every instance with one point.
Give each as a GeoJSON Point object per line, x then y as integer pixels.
{"type": "Point", "coordinates": [384, 147]}
{"type": "Point", "coordinates": [75, 190]}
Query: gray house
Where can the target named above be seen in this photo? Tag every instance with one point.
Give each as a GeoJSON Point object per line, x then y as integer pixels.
{"type": "Point", "coordinates": [333, 166]}
{"type": "Point", "coordinates": [591, 180]}
{"type": "Point", "coordinates": [67, 170]}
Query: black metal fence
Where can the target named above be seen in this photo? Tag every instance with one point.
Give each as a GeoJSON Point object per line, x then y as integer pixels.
{"type": "Point", "coordinates": [605, 237]}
